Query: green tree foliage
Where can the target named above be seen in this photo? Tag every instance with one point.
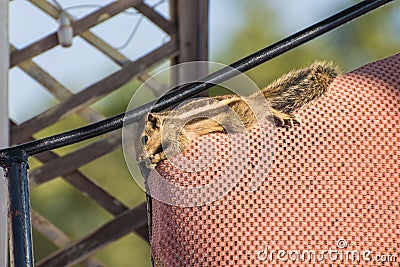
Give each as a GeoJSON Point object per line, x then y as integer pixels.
{"type": "Point", "coordinates": [366, 39]}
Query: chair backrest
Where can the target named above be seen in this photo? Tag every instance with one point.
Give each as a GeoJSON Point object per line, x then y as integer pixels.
{"type": "Point", "coordinates": [333, 185]}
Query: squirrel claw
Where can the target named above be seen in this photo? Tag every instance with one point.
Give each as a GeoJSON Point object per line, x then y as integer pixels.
{"type": "Point", "coordinates": [294, 121]}
{"type": "Point", "coordinates": [283, 118]}
{"type": "Point", "coordinates": [155, 159]}
{"type": "Point", "coordinates": [286, 120]}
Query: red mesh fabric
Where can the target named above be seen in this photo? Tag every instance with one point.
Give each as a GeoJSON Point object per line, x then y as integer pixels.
{"type": "Point", "coordinates": [333, 185]}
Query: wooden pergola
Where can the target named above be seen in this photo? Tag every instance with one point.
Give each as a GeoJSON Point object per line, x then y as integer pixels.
{"type": "Point", "coordinates": [188, 31]}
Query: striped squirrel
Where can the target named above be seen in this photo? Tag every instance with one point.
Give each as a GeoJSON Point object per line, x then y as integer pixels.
{"type": "Point", "coordinates": [285, 95]}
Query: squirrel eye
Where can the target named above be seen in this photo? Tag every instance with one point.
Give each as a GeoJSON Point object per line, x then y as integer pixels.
{"type": "Point", "coordinates": [144, 139]}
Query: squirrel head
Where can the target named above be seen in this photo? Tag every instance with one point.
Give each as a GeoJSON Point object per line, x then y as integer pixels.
{"type": "Point", "coordinates": [155, 144]}
{"type": "Point", "coordinates": [150, 140]}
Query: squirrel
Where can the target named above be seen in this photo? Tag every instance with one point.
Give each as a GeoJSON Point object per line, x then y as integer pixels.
{"type": "Point", "coordinates": [169, 132]}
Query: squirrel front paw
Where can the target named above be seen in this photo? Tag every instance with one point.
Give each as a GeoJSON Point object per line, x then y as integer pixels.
{"type": "Point", "coordinates": [155, 159]}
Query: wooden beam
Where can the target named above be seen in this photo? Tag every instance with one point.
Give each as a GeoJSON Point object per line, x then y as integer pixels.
{"type": "Point", "coordinates": [74, 160]}
{"type": "Point", "coordinates": [86, 186]}
{"type": "Point", "coordinates": [74, 177]}
{"type": "Point", "coordinates": [155, 85]}
{"type": "Point", "coordinates": [58, 237]}
{"type": "Point", "coordinates": [79, 27]}
{"type": "Point", "coordinates": [120, 226]}
{"type": "Point", "coordinates": [157, 18]}
{"type": "Point", "coordinates": [106, 49]}
{"type": "Point", "coordinates": [55, 88]}
{"type": "Point", "coordinates": [93, 191]}
{"type": "Point", "coordinates": [97, 42]}
{"type": "Point", "coordinates": [92, 93]}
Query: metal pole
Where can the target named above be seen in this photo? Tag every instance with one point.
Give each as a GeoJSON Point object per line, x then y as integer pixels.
{"type": "Point", "coordinates": [19, 221]}
{"type": "Point", "coordinates": [4, 125]}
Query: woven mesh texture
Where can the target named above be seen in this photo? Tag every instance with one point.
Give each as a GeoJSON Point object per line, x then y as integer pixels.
{"type": "Point", "coordinates": [333, 185]}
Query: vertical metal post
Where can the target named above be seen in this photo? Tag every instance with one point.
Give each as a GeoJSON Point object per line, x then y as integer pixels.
{"type": "Point", "coordinates": [19, 220]}
{"type": "Point", "coordinates": [4, 124]}
{"type": "Point", "coordinates": [191, 18]}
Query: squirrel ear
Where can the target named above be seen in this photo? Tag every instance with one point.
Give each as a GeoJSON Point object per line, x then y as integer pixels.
{"type": "Point", "coordinates": [154, 119]}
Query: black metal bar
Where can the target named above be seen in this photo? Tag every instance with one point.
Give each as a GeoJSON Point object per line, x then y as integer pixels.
{"type": "Point", "coordinates": [181, 93]}
{"type": "Point", "coordinates": [16, 168]}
